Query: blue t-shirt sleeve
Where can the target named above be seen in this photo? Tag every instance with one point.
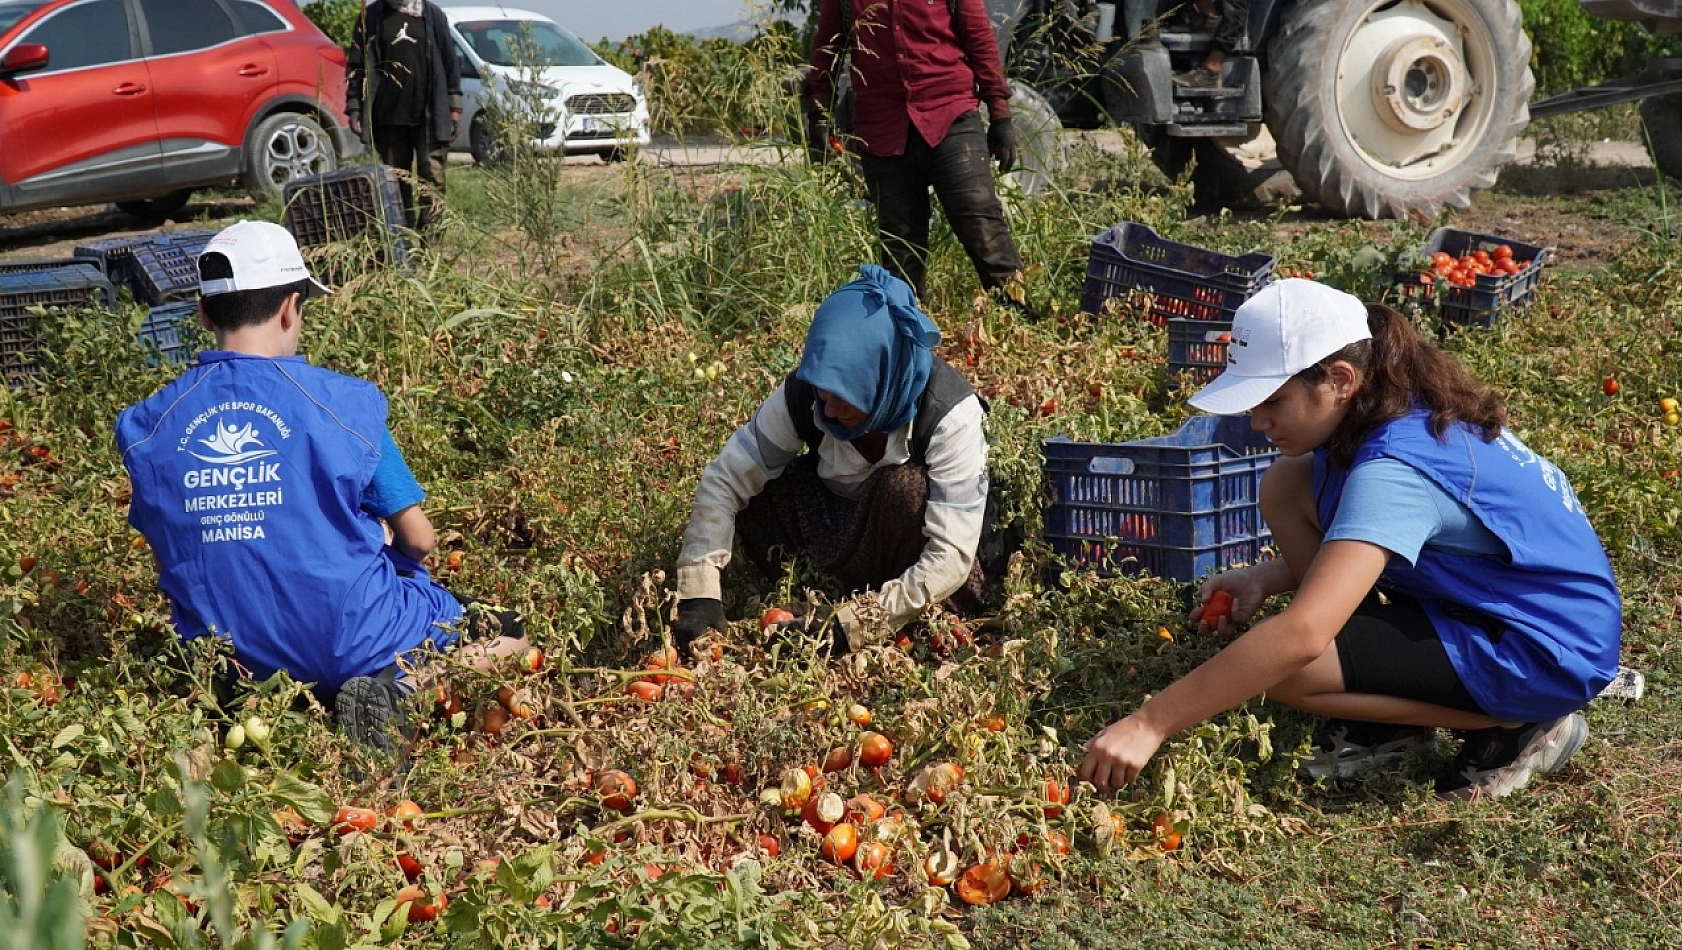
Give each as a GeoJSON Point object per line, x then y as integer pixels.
{"type": "Point", "coordinates": [393, 487]}
{"type": "Point", "coordinates": [1393, 505]}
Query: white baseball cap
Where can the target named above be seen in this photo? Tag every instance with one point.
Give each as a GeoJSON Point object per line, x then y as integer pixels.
{"type": "Point", "coordinates": [1288, 326]}
{"type": "Point", "coordinates": [262, 254]}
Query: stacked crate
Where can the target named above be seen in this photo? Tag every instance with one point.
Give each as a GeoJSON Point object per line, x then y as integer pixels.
{"type": "Point", "coordinates": [359, 203]}
{"type": "Point", "coordinates": [22, 293]}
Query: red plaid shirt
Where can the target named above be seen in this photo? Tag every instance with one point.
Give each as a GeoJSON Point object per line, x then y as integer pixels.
{"type": "Point", "coordinates": [913, 63]}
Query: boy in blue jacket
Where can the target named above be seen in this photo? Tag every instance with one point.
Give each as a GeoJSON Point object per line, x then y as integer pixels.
{"type": "Point", "coordinates": [267, 487]}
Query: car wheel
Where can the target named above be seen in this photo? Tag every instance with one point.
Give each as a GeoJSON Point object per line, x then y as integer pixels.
{"type": "Point", "coordinates": [153, 209]}
{"type": "Point", "coordinates": [283, 148]}
{"type": "Point", "coordinates": [483, 142]}
{"type": "Point", "coordinates": [615, 155]}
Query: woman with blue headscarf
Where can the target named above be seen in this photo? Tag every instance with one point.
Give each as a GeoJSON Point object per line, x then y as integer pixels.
{"type": "Point", "coordinates": [868, 462]}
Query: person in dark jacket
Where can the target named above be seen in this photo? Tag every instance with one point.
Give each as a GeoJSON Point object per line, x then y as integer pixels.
{"type": "Point", "coordinates": [869, 462]}
{"type": "Point", "coordinates": [405, 88]}
{"type": "Point", "coordinates": [917, 67]}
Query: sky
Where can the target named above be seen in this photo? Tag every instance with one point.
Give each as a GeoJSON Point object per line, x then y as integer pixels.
{"type": "Point", "coordinates": [592, 20]}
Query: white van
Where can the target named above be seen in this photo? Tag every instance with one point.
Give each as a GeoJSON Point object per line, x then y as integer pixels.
{"type": "Point", "coordinates": [513, 57]}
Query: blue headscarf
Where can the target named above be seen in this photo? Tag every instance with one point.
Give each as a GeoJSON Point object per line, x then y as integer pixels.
{"type": "Point", "coordinates": [870, 346]}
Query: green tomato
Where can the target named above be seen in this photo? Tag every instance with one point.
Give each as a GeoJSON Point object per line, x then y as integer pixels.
{"type": "Point", "coordinates": [257, 730]}
{"type": "Point", "coordinates": [235, 738]}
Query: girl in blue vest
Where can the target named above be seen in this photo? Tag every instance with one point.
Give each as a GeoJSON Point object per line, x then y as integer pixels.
{"type": "Point", "coordinates": [1446, 576]}
{"type": "Point", "coordinates": [280, 509]}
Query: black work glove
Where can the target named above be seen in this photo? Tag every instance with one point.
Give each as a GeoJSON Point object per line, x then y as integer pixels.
{"type": "Point", "coordinates": [817, 137]}
{"type": "Point", "coordinates": [1001, 142]}
{"type": "Point", "coordinates": [353, 115]}
{"type": "Point", "coordinates": [695, 617]}
{"type": "Point", "coordinates": [814, 620]}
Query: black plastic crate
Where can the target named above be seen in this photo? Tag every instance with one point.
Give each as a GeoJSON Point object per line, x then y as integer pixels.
{"type": "Point", "coordinates": [1481, 304]}
{"type": "Point", "coordinates": [62, 288]}
{"type": "Point", "coordinates": [172, 331]}
{"type": "Point", "coordinates": [1177, 506]}
{"type": "Point", "coordinates": [1179, 280]}
{"type": "Point", "coordinates": [348, 204]}
{"type": "Point", "coordinates": [1196, 350]}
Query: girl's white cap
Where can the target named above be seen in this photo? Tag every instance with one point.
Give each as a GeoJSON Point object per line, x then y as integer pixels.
{"type": "Point", "coordinates": [1288, 326]}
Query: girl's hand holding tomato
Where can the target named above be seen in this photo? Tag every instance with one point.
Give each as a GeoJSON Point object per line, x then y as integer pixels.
{"type": "Point", "coordinates": [1227, 601]}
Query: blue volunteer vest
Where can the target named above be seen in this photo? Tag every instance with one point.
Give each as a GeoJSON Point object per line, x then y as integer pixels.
{"type": "Point", "coordinates": [248, 475]}
{"type": "Point", "coordinates": [1534, 637]}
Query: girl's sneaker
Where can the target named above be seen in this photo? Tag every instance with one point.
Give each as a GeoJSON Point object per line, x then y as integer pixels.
{"type": "Point", "coordinates": [1497, 762]}
{"type": "Point", "coordinates": [1345, 748]}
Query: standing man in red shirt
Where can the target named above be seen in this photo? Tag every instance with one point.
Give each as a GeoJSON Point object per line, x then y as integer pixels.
{"type": "Point", "coordinates": [920, 70]}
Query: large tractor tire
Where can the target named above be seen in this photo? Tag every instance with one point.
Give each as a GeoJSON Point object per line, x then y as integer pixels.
{"type": "Point", "coordinates": [1041, 152]}
{"type": "Point", "coordinates": [1661, 120]}
{"type": "Point", "coordinates": [1387, 109]}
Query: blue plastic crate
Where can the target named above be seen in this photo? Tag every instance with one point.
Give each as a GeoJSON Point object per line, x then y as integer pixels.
{"type": "Point", "coordinates": [1181, 280]}
{"type": "Point", "coordinates": [168, 256]}
{"type": "Point", "coordinates": [113, 255]}
{"type": "Point", "coordinates": [61, 288]}
{"type": "Point", "coordinates": [1177, 506]}
{"type": "Point", "coordinates": [164, 272]}
{"type": "Point", "coordinates": [1481, 304]}
{"type": "Point", "coordinates": [172, 330]}
{"type": "Point", "coordinates": [348, 204]}
{"type": "Point", "coordinates": [23, 266]}
{"type": "Point", "coordinates": [1196, 350]}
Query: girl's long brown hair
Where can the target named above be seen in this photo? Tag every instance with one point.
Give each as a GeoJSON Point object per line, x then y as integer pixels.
{"type": "Point", "coordinates": [1400, 369]}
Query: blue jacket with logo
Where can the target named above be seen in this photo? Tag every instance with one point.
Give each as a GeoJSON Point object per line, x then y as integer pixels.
{"type": "Point", "coordinates": [1533, 636]}
{"type": "Point", "coordinates": [248, 475]}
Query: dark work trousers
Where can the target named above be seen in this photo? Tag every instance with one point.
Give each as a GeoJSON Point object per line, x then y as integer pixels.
{"type": "Point", "coordinates": [408, 148]}
{"type": "Point", "coordinates": [1229, 32]}
{"type": "Point", "coordinates": [960, 171]}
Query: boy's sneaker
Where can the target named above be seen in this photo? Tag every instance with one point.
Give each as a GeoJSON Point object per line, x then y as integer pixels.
{"type": "Point", "coordinates": [1345, 748]}
{"type": "Point", "coordinates": [369, 714]}
{"type": "Point", "coordinates": [1495, 762]}
{"type": "Point", "coordinates": [1628, 684]}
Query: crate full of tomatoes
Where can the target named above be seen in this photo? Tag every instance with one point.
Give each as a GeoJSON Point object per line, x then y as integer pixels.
{"type": "Point", "coordinates": [1474, 277]}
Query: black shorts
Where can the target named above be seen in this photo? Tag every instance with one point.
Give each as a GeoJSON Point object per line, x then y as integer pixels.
{"type": "Point", "coordinates": [1392, 649]}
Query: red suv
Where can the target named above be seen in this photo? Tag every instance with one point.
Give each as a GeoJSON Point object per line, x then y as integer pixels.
{"type": "Point", "coordinates": [141, 101]}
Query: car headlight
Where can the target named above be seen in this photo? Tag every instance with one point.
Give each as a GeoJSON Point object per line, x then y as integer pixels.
{"type": "Point", "coordinates": [636, 91]}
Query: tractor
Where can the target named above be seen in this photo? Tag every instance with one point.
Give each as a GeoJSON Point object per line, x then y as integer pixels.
{"type": "Point", "coordinates": [1375, 108]}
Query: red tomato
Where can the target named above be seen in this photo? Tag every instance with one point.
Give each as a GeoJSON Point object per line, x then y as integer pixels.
{"type": "Point", "coordinates": [1218, 608]}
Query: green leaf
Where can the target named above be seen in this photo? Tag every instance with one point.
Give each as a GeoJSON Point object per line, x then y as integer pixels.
{"type": "Point", "coordinates": [163, 802]}
{"type": "Point", "coordinates": [310, 801]}
{"type": "Point", "coordinates": [315, 906]}
{"type": "Point", "coordinates": [68, 735]}
{"type": "Point", "coordinates": [228, 776]}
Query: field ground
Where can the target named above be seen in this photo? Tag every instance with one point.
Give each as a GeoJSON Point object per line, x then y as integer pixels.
{"type": "Point", "coordinates": [569, 351]}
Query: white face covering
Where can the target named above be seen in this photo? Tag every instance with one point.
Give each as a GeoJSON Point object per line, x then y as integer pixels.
{"type": "Point", "coordinates": [407, 7]}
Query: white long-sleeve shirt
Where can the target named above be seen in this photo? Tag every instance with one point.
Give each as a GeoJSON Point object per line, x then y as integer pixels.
{"type": "Point", "coordinates": [761, 449]}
